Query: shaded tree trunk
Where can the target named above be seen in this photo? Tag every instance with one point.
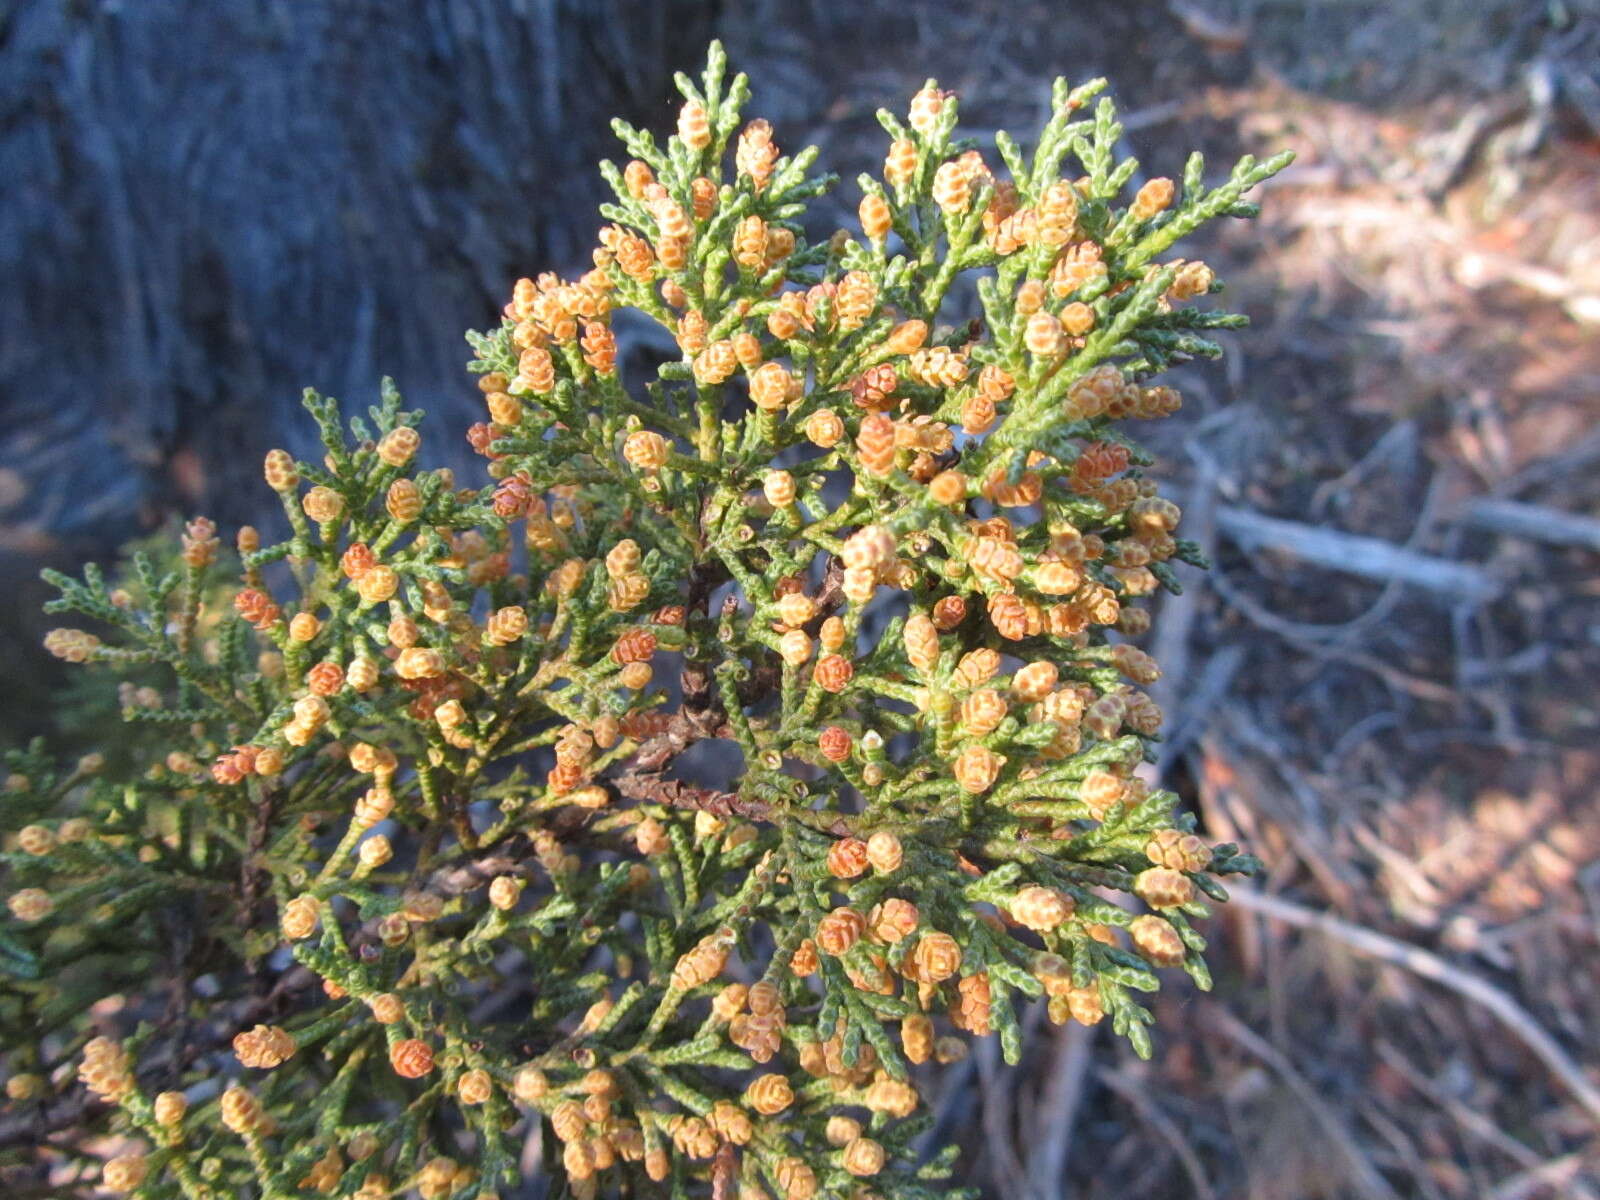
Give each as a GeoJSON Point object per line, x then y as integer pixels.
{"type": "Point", "coordinates": [208, 204]}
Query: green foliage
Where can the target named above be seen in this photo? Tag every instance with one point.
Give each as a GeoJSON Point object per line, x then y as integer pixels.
{"type": "Point", "coordinates": [419, 824]}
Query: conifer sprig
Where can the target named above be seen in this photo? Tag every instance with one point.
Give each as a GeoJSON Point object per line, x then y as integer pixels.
{"type": "Point", "coordinates": [418, 820]}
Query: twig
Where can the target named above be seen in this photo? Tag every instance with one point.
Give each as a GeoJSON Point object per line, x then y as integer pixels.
{"type": "Point", "coordinates": [1152, 1115]}
{"type": "Point", "coordinates": [1209, 28]}
{"type": "Point", "coordinates": [1458, 148]}
{"type": "Point", "coordinates": [1557, 1173]}
{"type": "Point", "coordinates": [656, 789]}
{"type": "Point", "coordinates": [1202, 704]}
{"type": "Point", "coordinates": [1394, 590]}
{"type": "Point", "coordinates": [1469, 1120]}
{"type": "Point", "coordinates": [722, 1173]}
{"type": "Point", "coordinates": [1353, 554]}
{"type": "Point", "coordinates": [1518, 1020]}
{"type": "Point", "coordinates": [1236, 724]}
{"type": "Point", "coordinates": [1365, 1178]}
{"type": "Point", "coordinates": [1423, 892]}
{"type": "Point", "coordinates": [681, 733]}
{"type": "Point", "coordinates": [1533, 521]}
{"type": "Point", "coordinates": [955, 1103]}
{"type": "Point", "coordinates": [996, 1117]}
{"type": "Point", "coordinates": [1058, 1110]}
{"type": "Point", "coordinates": [507, 858]}
{"type": "Point", "coordinates": [1545, 471]}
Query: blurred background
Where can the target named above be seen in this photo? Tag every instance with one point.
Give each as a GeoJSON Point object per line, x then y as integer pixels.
{"type": "Point", "coordinates": [1386, 687]}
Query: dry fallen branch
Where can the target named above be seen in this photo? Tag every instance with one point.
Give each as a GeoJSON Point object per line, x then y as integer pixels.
{"type": "Point", "coordinates": [1518, 1020]}
{"type": "Point", "coordinates": [1353, 554]}
{"type": "Point", "coordinates": [1364, 1177]}
{"type": "Point", "coordinates": [1557, 1173]}
{"type": "Point", "coordinates": [1534, 522]}
{"type": "Point", "coordinates": [1545, 472]}
{"type": "Point", "coordinates": [1059, 1103]}
{"type": "Point", "coordinates": [1152, 1115]}
{"type": "Point", "coordinates": [1472, 1122]}
{"type": "Point", "coordinates": [996, 1088]}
